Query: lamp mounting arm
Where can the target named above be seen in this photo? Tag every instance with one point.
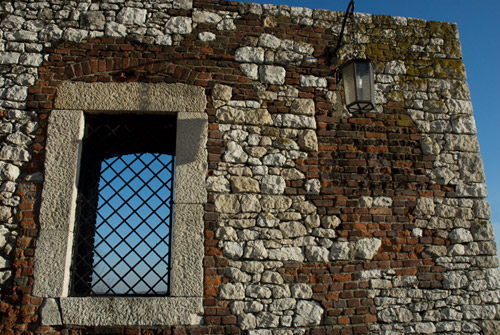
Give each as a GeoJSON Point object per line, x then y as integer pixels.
{"type": "Point", "coordinates": [348, 11]}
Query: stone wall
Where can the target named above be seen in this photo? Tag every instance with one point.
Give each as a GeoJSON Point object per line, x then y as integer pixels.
{"type": "Point", "coordinates": [317, 221]}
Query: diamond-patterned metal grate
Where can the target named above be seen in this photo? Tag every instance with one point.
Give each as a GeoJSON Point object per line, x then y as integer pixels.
{"type": "Point", "coordinates": [123, 240]}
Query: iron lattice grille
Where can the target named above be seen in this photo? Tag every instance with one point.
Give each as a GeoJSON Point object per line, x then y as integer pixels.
{"type": "Point", "coordinates": [123, 239]}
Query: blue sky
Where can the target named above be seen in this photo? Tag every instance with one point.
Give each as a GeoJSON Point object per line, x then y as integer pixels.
{"type": "Point", "coordinates": [479, 35]}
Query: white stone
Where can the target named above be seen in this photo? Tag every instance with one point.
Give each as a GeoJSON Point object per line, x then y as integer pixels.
{"type": "Point", "coordinates": [295, 121]}
{"type": "Point", "coordinates": [312, 81]}
{"type": "Point", "coordinates": [183, 4]}
{"type": "Point", "coordinates": [455, 280]}
{"type": "Point", "coordinates": [303, 107]}
{"type": "Point", "coordinates": [250, 203]}
{"type": "Point", "coordinates": [75, 35]}
{"type": "Point", "coordinates": [307, 313]}
{"type": "Point", "coordinates": [249, 55]}
{"type": "Point", "coordinates": [255, 250]}
{"type": "Point", "coordinates": [51, 32]}
{"type": "Point", "coordinates": [13, 22]}
{"type": "Point", "coordinates": [233, 250]}
{"type": "Point", "coordinates": [247, 321]}
{"type": "Point", "coordinates": [207, 36]}
{"type": "Point", "coordinates": [366, 248]}
{"type": "Point", "coordinates": [206, 17]}
{"type": "Point", "coordinates": [226, 24]}
{"type": "Point", "coordinates": [395, 67]}
{"type": "Point", "coordinates": [227, 203]}
{"type": "Point", "coordinates": [229, 291]}
{"type": "Point", "coordinates": [218, 184]}
{"type": "Point", "coordinates": [395, 314]}
{"type": "Point", "coordinates": [425, 206]}
{"type": "Point", "coordinates": [269, 41]}
{"type": "Point", "coordinates": [14, 154]}
{"type": "Point", "coordinates": [132, 16]}
{"type": "Point", "coordinates": [179, 25]}
{"type": "Point", "coordinates": [301, 291]}
{"type": "Point", "coordinates": [115, 29]}
{"type": "Point", "coordinates": [17, 93]}
{"type": "Point", "coordinates": [272, 185]}
{"type": "Point", "coordinates": [287, 254]}
{"type": "Point", "coordinates": [312, 186]}
{"type": "Point", "coordinates": [9, 171]}
{"type": "Point", "coordinates": [250, 70]}
{"type": "Point", "coordinates": [267, 220]}
{"type": "Point", "coordinates": [340, 251]}
{"type": "Point", "coordinates": [316, 254]}
{"type": "Point", "coordinates": [235, 153]}
{"type": "Point", "coordinates": [460, 235]}
{"type": "Point", "coordinates": [275, 159]}
{"type": "Point", "coordinates": [31, 59]}
{"type": "Point", "coordinates": [292, 229]}
{"type": "Point", "coordinates": [382, 202]}
{"type": "Point", "coordinates": [270, 74]}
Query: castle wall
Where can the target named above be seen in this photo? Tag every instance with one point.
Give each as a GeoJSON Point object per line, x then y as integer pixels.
{"type": "Point", "coordinates": [315, 220]}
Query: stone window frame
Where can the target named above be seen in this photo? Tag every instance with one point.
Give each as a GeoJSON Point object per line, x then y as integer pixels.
{"type": "Point", "coordinates": [53, 253]}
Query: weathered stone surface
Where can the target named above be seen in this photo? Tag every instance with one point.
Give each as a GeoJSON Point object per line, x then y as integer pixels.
{"type": "Point", "coordinates": [460, 235]}
{"type": "Point", "coordinates": [482, 231]}
{"type": "Point", "coordinates": [93, 20]}
{"type": "Point", "coordinates": [132, 16]}
{"type": "Point", "coordinates": [50, 313]}
{"type": "Point", "coordinates": [249, 55]}
{"type": "Point", "coordinates": [425, 206]}
{"type": "Point", "coordinates": [227, 203]}
{"type": "Point", "coordinates": [179, 25]}
{"type": "Point", "coordinates": [250, 203]}
{"type": "Point", "coordinates": [244, 185]}
{"type": "Point", "coordinates": [316, 254]}
{"type": "Point", "coordinates": [395, 314]}
{"type": "Point", "coordinates": [258, 291]}
{"type": "Point", "coordinates": [235, 154]}
{"type": "Point", "coordinates": [247, 321]}
{"type": "Point", "coordinates": [308, 313]}
{"type": "Point", "coordinates": [233, 250]}
{"type": "Point", "coordinates": [207, 36]}
{"type": "Point", "coordinates": [330, 221]}
{"type": "Point", "coordinates": [340, 251]}
{"type": "Point", "coordinates": [366, 248]}
{"type": "Point", "coordinates": [308, 140]}
{"type": "Point", "coordinates": [250, 70]}
{"type": "Point", "coordinates": [206, 17]}
{"type": "Point", "coordinates": [287, 254]}
{"type": "Point", "coordinates": [455, 280]}
{"type": "Point", "coordinates": [312, 81]}
{"type": "Point", "coordinates": [218, 184]}
{"type": "Point", "coordinates": [270, 74]}
{"type": "Point", "coordinates": [222, 92]}
{"type": "Point", "coordinates": [115, 29]}
{"type": "Point", "coordinates": [301, 291]}
{"type": "Point", "coordinates": [230, 291]}
{"type": "Point", "coordinates": [303, 107]}
{"type": "Point", "coordinates": [273, 185]}
{"type": "Point", "coordinates": [292, 229]}
{"type": "Point", "coordinates": [255, 250]}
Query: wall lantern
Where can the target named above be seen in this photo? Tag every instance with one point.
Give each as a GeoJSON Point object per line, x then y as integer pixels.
{"type": "Point", "coordinates": [357, 74]}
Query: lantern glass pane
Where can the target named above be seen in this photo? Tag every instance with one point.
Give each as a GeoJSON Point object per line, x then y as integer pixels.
{"type": "Point", "coordinates": [349, 83]}
{"type": "Point", "coordinates": [363, 81]}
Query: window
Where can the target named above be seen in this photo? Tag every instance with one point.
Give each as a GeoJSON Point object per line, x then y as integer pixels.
{"type": "Point", "coordinates": [125, 206]}
{"type": "Point", "coordinates": [65, 170]}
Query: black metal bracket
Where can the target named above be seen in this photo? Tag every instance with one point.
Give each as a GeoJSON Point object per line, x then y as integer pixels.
{"type": "Point", "coordinates": [348, 11]}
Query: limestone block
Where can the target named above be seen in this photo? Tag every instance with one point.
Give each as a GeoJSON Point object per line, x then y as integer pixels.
{"type": "Point", "coordinates": [244, 185]}
{"type": "Point", "coordinates": [307, 313]}
{"type": "Point", "coordinates": [226, 24]}
{"type": "Point", "coordinates": [13, 22]}
{"type": "Point", "coordinates": [395, 67]}
{"type": "Point", "coordinates": [460, 235]}
{"type": "Point", "coordinates": [250, 203]}
{"type": "Point", "coordinates": [270, 74]}
{"type": "Point", "coordinates": [255, 250]}
{"type": "Point", "coordinates": [303, 107]}
{"type": "Point", "coordinates": [471, 168]}
{"type": "Point", "coordinates": [490, 327]}
{"type": "Point", "coordinates": [179, 25]}
{"type": "Point", "coordinates": [276, 203]}
{"type": "Point", "coordinates": [249, 55]}
{"type": "Point", "coordinates": [75, 35]}
{"type": "Point", "coordinates": [49, 33]}
{"type": "Point", "coordinates": [207, 36]}
{"type": "Point", "coordinates": [233, 250]}
{"type": "Point", "coordinates": [271, 277]}
{"type": "Point", "coordinates": [218, 184]}
{"type": "Point", "coordinates": [429, 146]}
{"type": "Point", "coordinates": [463, 124]}
{"type": "Point", "coordinates": [473, 190]}
{"type": "Point", "coordinates": [425, 206]}
{"type": "Point", "coordinates": [455, 280]}
{"type": "Point", "coordinates": [234, 153]}
{"type": "Point", "coordinates": [312, 81]}
{"type": "Point", "coordinates": [482, 231]}
{"type": "Point", "coordinates": [316, 254]}
{"type": "Point", "coordinates": [137, 311]}
{"type": "Point", "coordinates": [382, 202]}
{"type": "Point", "coordinates": [132, 16]}
{"type": "Point", "coordinates": [479, 312]}
{"type": "Point", "coordinates": [340, 251]}
{"type": "Point", "coordinates": [206, 17]}
{"type": "Point", "coordinates": [441, 176]}
{"type": "Point", "coordinates": [301, 291]}
{"type": "Point", "coordinates": [250, 70]}
{"type": "Point", "coordinates": [222, 92]}
{"type": "Point", "coordinates": [303, 206]}
{"type": "Point", "coordinates": [482, 209]}
{"type": "Point", "coordinates": [5, 275]}
{"type": "Point", "coordinates": [425, 328]}
{"type": "Point", "coordinates": [237, 275]}
{"type": "Point", "coordinates": [287, 254]}
{"type": "Point", "coordinates": [230, 291]}
{"type": "Point", "coordinates": [292, 229]}
{"type": "Point", "coordinates": [267, 320]}
{"type": "Point", "coordinates": [312, 221]}
{"type": "Point", "coordinates": [17, 93]}
{"type": "Point", "coordinates": [247, 321]}
{"type": "Point", "coordinates": [295, 121]}
{"type": "Point", "coordinates": [330, 221]}
{"type": "Point", "coordinates": [395, 314]}
{"type": "Point", "coordinates": [271, 184]}
{"type": "Point", "coordinates": [92, 20]}
{"type": "Point", "coordinates": [275, 159]}
{"type": "Point", "coordinates": [183, 4]}
{"type": "Point", "coordinates": [493, 278]}
{"type": "Point", "coordinates": [269, 41]}
{"type": "Point", "coordinates": [227, 203]}
{"type": "Point", "coordinates": [49, 313]}
{"type": "Point", "coordinates": [5, 214]}
{"type": "Point", "coordinates": [115, 29]}
{"type": "Point", "coordinates": [366, 248]}
{"type": "Point", "coordinates": [258, 291]}
{"type": "Point", "coordinates": [292, 174]}
{"type": "Point", "coordinates": [31, 59]}
{"type": "Point", "coordinates": [267, 220]}
{"type": "Point", "coordinates": [308, 140]}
